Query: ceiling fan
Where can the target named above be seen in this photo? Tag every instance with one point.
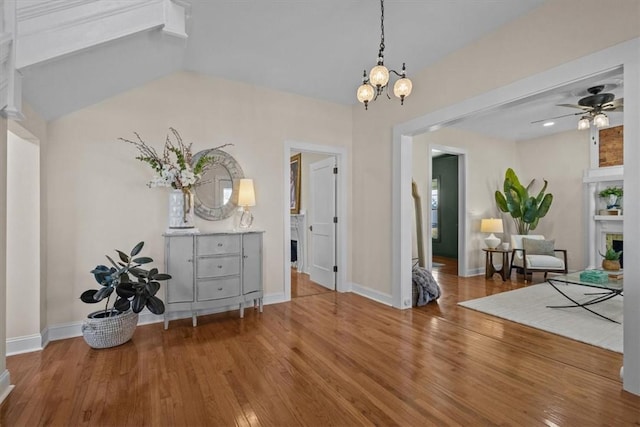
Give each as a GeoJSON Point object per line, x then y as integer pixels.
{"type": "Point", "coordinates": [593, 108]}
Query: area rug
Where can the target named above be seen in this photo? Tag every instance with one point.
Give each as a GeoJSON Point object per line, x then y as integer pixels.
{"type": "Point", "coordinates": [529, 307]}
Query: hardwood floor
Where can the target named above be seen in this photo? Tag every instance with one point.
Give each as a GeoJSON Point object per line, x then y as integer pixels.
{"type": "Point", "coordinates": [302, 286]}
{"type": "Point", "coordinates": [328, 359]}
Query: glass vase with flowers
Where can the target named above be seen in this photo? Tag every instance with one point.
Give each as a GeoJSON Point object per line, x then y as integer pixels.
{"type": "Point", "coordinates": [174, 169]}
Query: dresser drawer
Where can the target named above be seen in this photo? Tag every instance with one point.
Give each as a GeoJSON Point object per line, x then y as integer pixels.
{"type": "Point", "coordinates": [218, 266]}
{"type": "Point", "coordinates": [218, 288]}
{"type": "Point", "coordinates": [218, 245]}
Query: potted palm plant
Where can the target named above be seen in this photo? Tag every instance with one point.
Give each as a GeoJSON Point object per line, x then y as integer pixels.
{"type": "Point", "coordinates": [526, 210]}
{"type": "Point", "coordinates": [133, 288]}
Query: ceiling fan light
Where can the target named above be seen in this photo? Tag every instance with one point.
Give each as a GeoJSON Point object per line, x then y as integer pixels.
{"type": "Point", "coordinates": [601, 120]}
{"type": "Point", "coordinates": [402, 88]}
{"type": "Point", "coordinates": [379, 76]}
{"type": "Point", "coordinates": [583, 123]}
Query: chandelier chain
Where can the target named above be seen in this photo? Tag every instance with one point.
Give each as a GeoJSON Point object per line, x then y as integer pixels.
{"type": "Point", "coordinates": [380, 52]}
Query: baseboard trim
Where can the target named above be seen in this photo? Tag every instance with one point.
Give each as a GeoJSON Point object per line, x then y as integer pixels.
{"type": "Point", "coordinates": [24, 344]}
{"type": "Point", "coordinates": [377, 296]}
{"type": "Point", "coordinates": [475, 272]}
{"type": "Point", "coordinates": [5, 385]}
{"type": "Point", "coordinates": [73, 329]}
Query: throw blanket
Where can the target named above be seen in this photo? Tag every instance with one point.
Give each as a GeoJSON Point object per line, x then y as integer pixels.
{"type": "Point", "coordinates": [428, 288]}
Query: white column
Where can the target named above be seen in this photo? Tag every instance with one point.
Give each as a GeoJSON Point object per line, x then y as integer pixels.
{"type": "Point", "coordinates": [591, 224]}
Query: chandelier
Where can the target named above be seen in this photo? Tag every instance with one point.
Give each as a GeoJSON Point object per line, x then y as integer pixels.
{"type": "Point", "coordinates": [378, 79]}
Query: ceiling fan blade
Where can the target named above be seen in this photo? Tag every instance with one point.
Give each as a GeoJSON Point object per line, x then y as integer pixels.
{"type": "Point", "coordinates": [557, 117]}
{"type": "Point", "coordinates": [616, 105]}
{"type": "Point", "coordinates": [582, 107]}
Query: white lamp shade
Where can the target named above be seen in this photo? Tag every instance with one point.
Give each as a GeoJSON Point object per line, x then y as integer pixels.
{"type": "Point", "coordinates": [246, 194]}
{"type": "Point", "coordinates": [583, 123]}
{"type": "Point", "coordinates": [491, 225]}
{"type": "Point", "coordinates": [365, 92]}
{"type": "Point", "coordinates": [601, 120]}
{"type": "Point", "coordinates": [379, 75]}
{"type": "Point", "coordinates": [402, 88]}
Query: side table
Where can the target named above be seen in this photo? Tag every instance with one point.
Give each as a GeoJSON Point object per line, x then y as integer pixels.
{"type": "Point", "coordinates": [490, 269]}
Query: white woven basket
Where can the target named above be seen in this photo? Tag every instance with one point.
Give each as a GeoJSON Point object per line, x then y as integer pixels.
{"type": "Point", "coordinates": [107, 332]}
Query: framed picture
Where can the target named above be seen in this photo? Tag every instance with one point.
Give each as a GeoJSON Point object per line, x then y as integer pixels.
{"type": "Point", "coordinates": [294, 180]}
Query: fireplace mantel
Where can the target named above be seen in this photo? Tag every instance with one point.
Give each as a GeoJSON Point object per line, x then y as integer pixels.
{"type": "Point", "coordinates": [599, 226]}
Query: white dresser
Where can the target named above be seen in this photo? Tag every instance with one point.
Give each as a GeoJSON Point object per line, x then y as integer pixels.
{"type": "Point", "coordinates": [212, 270]}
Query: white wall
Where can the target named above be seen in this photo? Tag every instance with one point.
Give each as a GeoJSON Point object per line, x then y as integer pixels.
{"type": "Point", "coordinates": [487, 159]}
{"type": "Point", "coordinates": [23, 237]}
{"type": "Point", "coordinates": [561, 159]}
{"type": "Point", "coordinates": [98, 200]}
{"type": "Point", "coordinates": [4, 374]}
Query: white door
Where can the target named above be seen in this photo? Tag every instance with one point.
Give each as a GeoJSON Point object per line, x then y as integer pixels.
{"type": "Point", "coordinates": [322, 207]}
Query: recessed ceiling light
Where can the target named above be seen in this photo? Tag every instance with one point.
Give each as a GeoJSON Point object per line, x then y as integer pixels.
{"type": "Point", "coordinates": [547, 124]}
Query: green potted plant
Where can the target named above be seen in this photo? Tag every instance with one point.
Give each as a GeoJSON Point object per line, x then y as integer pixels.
{"type": "Point", "coordinates": [611, 259]}
{"type": "Point", "coordinates": [525, 210]}
{"type": "Point", "coordinates": [612, 196]}
{"type": "Point", "coordinates": [115, 324]}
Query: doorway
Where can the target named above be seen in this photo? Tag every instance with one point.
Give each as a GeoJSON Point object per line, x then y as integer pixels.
{"type": "Point", "coordinates": [444, 210]}
{"type": "Point", "coordinates": [314, 235]}
{"type": "Point", "coordinates": [313, 231]}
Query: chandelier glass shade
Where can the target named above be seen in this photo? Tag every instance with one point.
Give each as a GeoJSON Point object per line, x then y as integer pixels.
{"type": "Point", "coordinates": [378, 79]}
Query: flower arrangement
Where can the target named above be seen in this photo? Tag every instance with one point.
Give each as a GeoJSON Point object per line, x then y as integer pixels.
{"type": "Point", "coordinates": [174, 168]}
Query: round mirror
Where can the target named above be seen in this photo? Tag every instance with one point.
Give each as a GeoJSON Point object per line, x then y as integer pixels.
{"type": "Point", "coordinates": [214, 193]}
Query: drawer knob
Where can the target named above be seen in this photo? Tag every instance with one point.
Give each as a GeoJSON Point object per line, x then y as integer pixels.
{"type": "Point", "coordinates": [219, 266]}
{"type": "Point", "coordinates": [219, 289]}
{"type": "Point", "coordinates": [245, 256]}
{"type": "Point", "coordinates": [220, 245]}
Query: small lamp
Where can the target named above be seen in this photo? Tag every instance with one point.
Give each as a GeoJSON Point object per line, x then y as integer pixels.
{"type": "Point", "coordinates": [246, 198]}
{"type": "Point", "coordinates": [491, 225]}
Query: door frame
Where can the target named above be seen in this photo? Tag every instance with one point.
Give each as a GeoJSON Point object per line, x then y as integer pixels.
{"type": "Point", "coordinates": [340, 154]}
{"type": "Point", "coordinates": [461, 154]}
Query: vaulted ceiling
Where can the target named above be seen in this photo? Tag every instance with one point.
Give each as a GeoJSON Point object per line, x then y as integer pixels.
{"type": "Point", "coordinates": [315, 48]}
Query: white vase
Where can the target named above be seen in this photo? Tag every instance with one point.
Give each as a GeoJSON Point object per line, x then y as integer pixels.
{"type": "Point", "coordinates": [181, 210]}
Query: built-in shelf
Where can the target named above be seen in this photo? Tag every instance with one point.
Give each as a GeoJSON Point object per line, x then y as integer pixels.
{"type": "Point", "coordinates": [600, 226]}
{"type": "Point", "coordinates": [608, 217]}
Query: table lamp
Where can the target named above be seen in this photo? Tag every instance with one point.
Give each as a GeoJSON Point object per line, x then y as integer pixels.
{"type": "Point", "coordinates": [491, 225]}
{"type": "Point", "coordinates": [246, 198]}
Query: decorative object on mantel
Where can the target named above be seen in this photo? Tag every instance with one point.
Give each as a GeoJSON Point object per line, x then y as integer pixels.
{"type": "Point", "coordinates": [525, 210]}
{"type": "Point", "coordinates": [178, 173]}
{"type": "Point", "coordinates": [611, 261]}
{"type": "Point", "coordinates": [246, 198]}
{"type": "Point", "coordinates": [115, 325]}
{"type": "Point", "coordinates": [612, 196]}
{"type": "Point", "coordinates": [378, 79]}
{"type": "Point", "coordinates": [491, 225]}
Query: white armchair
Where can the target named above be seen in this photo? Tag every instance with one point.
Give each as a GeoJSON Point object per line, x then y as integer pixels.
{"type": "Point", "coordinates": [536, 255]}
